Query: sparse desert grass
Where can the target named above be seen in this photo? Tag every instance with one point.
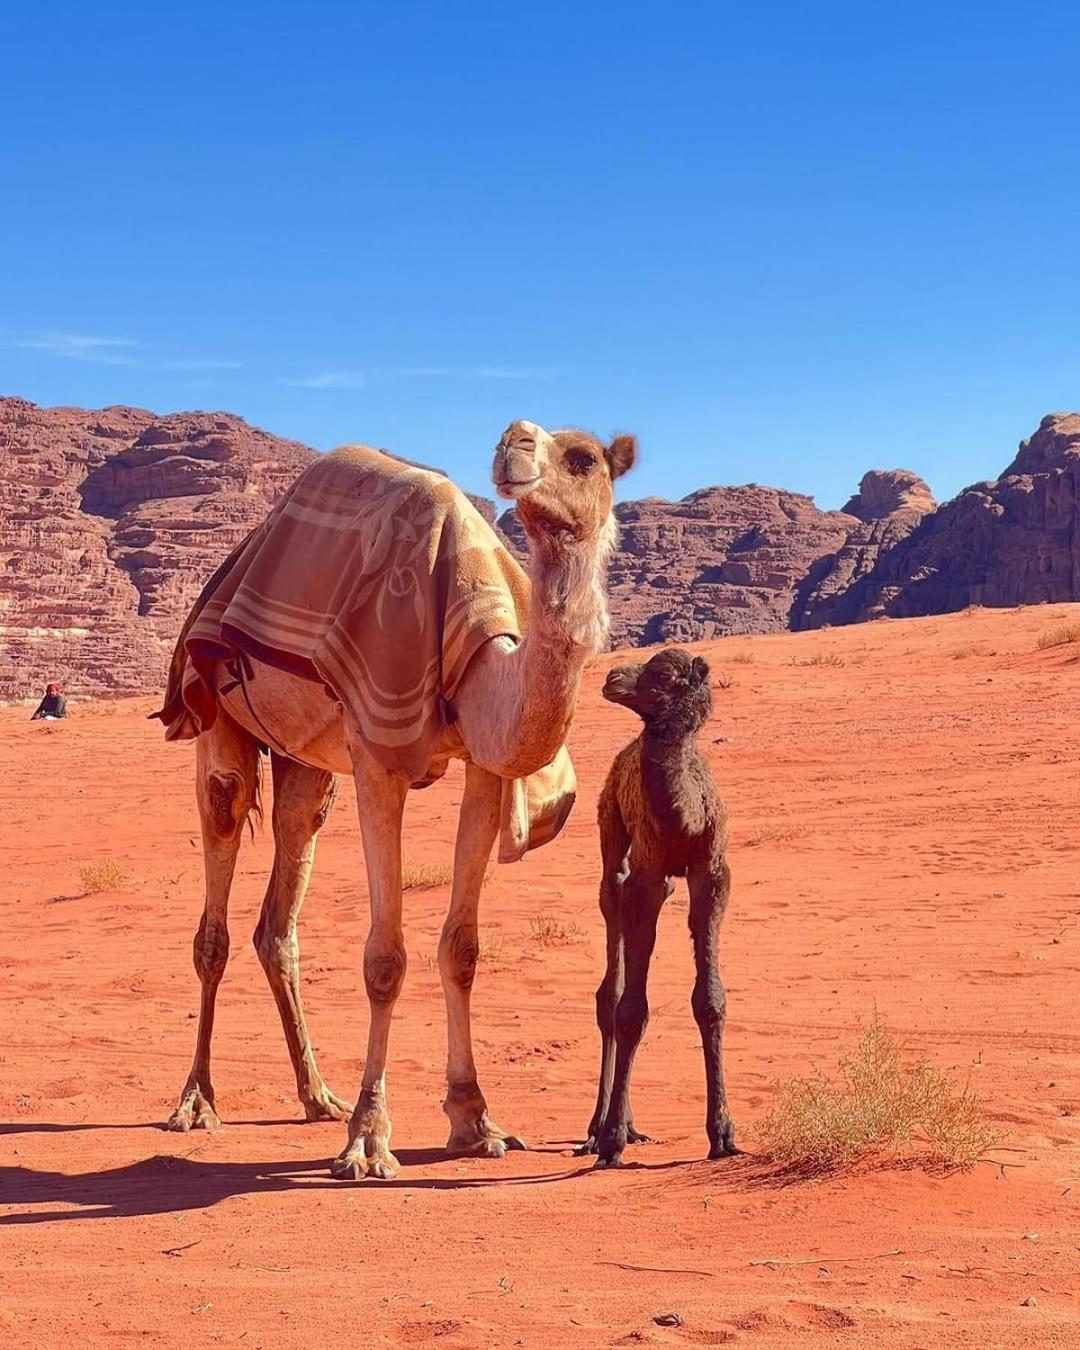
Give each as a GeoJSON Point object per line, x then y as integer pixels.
{"type": "Point", "coordinates": [972, 649]}
{"type": "Point", "coordinates": [876, 1105]}
{"type": "Point", "coordinates": [490, 944]}
{"type": "Point", "coordinates": [776, 834]}
{"type": "Point", "coordinates": [1058, 637]}
{"type": "Point", "coordinates": [427, 876]}
{"type": "Point", "coordinates": [550, 932]}
{"type": "Point", "coordinates": [818, 659]}
{"type": "Point", "coordinates": [104, 875]}
{"type": "Point", "coordinates": [742, 658]}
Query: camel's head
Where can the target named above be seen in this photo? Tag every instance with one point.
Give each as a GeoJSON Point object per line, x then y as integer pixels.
{"type": "Point", "coordinates": [561, 480]}
{"type": "Point", "coordinates": [672, 689]}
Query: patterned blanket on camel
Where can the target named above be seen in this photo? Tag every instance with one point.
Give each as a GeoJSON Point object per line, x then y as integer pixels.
{"type": "Point", "coordinates": [379, 580]}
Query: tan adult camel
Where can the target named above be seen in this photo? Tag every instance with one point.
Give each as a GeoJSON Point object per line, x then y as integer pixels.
{"type": "Point", "coordinates": [510, 715]}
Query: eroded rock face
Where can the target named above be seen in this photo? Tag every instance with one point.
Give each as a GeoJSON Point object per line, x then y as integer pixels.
{"type": "Point", "coordinates": [722, 560]}
{"type": "Point", "coordinates": [110, 522]}
{"type": "Point", "coordinates": [1009, 542]}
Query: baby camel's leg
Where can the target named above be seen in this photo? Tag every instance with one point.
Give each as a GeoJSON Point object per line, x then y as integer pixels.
{"type": "Point", "coordinates": [302, 799]}
{"type": "Point", "coordinates": [709, 890]}
{"type": "Point", "coordinates": [471, 1129]}
{"type": "Point", "coordinates": [614, 842]}
{"type": "Point", "coordinates": [226, 769]}
{"type": "Point", "coordinates": [643, 897]}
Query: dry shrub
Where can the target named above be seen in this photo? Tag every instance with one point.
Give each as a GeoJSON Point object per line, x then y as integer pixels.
{"type": "Point", "coordinates": [743, 658]}
{"type": "Point", "coordinates": [876, 1106]}
{"type": "Point", "coordinates": [549, 932]}
{"type": "Point", "coordinates": [489, 945]}
{"type": "Point", "coordinates": [973, 649]}
{"type": "Point", "coordinates": [818, 659]}
{"type": "Point", "coordinates": [104, 875]}
{"type": "Point", "coordinates": [776, 834]}
{"type": "Point", "coordinates": [1058, 637]}
{"type": "Point", "coordinates": [427, 876]}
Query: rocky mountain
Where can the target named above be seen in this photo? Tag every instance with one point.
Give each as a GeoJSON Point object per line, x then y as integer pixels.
{"type": "Point", "coordinates": [110, 521]}
{"type": "Point", "coordinates": [1012, 541]}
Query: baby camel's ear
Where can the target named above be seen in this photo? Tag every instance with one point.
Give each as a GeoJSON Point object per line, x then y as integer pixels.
{"type": "Point", "coordinates": [699, 671]}
{"type": "Point", "coordinates": [621, 454]}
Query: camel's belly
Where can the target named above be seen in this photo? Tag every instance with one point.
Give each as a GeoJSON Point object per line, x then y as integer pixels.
{"type": "Point", "coordinates": [296, 718]}
{"type": "Point", "coordinates": [291, 715]}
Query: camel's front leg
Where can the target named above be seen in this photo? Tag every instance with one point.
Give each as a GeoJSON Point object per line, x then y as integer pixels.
{"type": "Point", "coordinates": [381, 800]}
{"type": "Point", "coordinates": [471, 1130]}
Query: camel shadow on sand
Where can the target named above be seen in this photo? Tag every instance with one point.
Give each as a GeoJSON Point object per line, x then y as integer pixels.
{"type": "Point", "coordinates": [164, 1184]}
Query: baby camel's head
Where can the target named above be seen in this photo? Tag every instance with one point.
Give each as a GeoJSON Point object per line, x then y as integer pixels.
{"type": "Point", "coordinates": [670, 690]}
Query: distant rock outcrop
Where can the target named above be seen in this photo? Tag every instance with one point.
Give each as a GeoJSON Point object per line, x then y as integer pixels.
{"type": "Point", "coordinates": [1009, 542]}
{"type": "Point", "coordinates": [111, 521]}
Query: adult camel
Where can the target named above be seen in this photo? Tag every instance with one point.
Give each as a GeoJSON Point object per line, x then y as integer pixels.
{"type": "Point", "coordinates": [510, 714]}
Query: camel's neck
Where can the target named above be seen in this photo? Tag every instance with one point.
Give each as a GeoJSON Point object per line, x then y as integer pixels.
{"type": "Point", "coordinates": [516, 704]}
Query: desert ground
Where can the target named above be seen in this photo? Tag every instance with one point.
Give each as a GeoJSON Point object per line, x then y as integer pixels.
{"type": "Point", "coordinates": [904, 800]}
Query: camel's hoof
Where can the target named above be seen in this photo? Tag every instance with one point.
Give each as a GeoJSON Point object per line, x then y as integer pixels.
{"type": "Point", "coordinates": [355, 1163]}
{"type": "Point", "coordinates": [636, 1137]}
{"type": "Point", "coordinates": [487, 1146]}
{"type": "Point", "coordinates": [195, 1112]}
{"type": "Point", "coordinates": [588, 1148]}
{"type": "Point", "coordinates": [326, 1105]}
{"type": "Point", "coordinates": [614, 1161]}
{"type": "Point", "coordinates": [725, 1144]}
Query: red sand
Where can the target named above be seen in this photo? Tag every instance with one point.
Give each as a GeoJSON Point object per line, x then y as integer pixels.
{"type": "Point", "coordinates": [906, 835]}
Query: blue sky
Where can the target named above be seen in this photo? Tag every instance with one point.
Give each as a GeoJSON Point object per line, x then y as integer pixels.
{"type": "Point", "coordinates": [782, 243]}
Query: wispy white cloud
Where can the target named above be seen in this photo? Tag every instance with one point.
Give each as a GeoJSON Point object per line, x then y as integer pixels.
{"type": "Point", "coordinates": [332, 379]}
{"type": "Point", "coordinates": [109, 351]}
{"type": "Point", "coordinates": [81, 347]}
{"type": "Point", "coordinates": [476, 372]}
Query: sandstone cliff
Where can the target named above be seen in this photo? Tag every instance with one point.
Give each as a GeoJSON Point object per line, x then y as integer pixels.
{"type": "Point", "coordinates": [1012, 541]}
{"type": "Point", "coordinates": [110, 521]}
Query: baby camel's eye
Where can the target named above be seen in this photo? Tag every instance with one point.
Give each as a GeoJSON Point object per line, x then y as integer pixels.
{"type": "Point", "coordinates": [580, 461]}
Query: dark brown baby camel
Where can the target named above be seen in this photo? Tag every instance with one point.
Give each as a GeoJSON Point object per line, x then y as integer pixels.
{"type": "Point", "coordinates": [660, 817]}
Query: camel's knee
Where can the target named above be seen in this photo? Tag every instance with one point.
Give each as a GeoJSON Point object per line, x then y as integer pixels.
{"type": "Point", "coordinates": [631, 1017]}
{"type": "Point", "coordinates": [277, 952]}
{"type": "Point", "coordinates": [459, 951]}
{"type": "Point", "coordinates": [605, 1005]}
{"type": "Point", "coordinates": [322, 815]}
{"type": "Point", "coordinates": [210, 950]}
{"type": "Point", "coordinates": [227, 801]}
{"type": "Point", "coordinates": [384, 969]}
{"type": "Point", "coordinates": [709, 1002]}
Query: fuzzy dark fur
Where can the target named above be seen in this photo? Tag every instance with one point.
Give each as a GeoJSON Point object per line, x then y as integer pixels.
{"type": "Point", "coordinates": [660, 817]}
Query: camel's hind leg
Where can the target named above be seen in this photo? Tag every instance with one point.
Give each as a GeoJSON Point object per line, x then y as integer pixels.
{"type": "Point", "coordinates": [226, 774]}
{"type": "Point", "coordinates": [302, 800]}
{"type": "Point", "coordinates": [471, 1129]}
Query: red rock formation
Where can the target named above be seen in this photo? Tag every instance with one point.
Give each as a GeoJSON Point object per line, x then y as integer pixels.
{"type": "Point", "coordinates": [722, 560]}
{"type": "Point", "coordinates": [1009, 542]}
{"type": "Point", "coordinates": [109, 523]}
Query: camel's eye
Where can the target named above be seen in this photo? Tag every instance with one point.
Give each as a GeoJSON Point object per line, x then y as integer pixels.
{"type": "Point", "coordinates": [580, 461]}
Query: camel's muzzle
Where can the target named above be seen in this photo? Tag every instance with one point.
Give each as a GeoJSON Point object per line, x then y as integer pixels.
{"type": "Point", "coordinates": [621, 685]}
{"type": "Point", "coordinates": [518, 468]}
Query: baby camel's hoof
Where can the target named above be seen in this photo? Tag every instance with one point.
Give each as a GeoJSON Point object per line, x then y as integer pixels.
{"type": "Point", "coordinates": [636, 1137]}
{"type": "Point", "coordinates": [724, 1147]}
{"type": "Point", "coordinates": [615, 1160]}
{"type": "Point", "coordinates": [588, 1148]}
{"type": "Point", "coordinates": [355, 1164]}
{"type": "Point", "coordinates": [195, 1112]}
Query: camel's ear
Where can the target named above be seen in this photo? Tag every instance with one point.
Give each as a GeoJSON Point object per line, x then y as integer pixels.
{"type": "Point", "coordinates": [621, 454]}
{"type": "Point", "coordinates": [699, 671]}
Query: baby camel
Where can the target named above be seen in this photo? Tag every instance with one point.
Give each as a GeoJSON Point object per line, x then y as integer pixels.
{"type": "Point", "coordinates": [660, 817]}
